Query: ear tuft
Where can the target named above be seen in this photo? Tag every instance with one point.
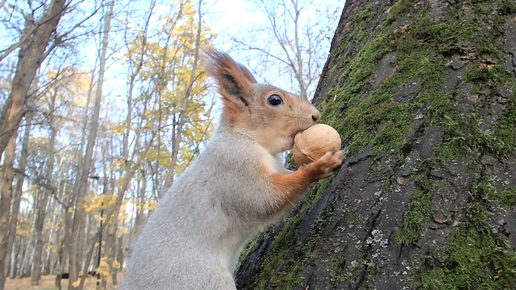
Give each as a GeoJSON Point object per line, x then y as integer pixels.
{"type": "Point", "coordinates": [216, 61]}
{"type": "Point", "coordinates": [233, 80]}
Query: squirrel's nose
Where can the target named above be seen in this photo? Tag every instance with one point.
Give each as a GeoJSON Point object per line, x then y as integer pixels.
{"type": "Point", "coordinates": [316, 116]}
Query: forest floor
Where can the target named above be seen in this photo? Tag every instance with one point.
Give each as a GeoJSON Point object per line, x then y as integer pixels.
{"type": "Point", "coordinates": [47, 283]}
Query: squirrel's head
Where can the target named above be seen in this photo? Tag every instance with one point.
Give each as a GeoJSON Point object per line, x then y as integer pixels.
{"type": "Point", "coordinates": [268, 115]}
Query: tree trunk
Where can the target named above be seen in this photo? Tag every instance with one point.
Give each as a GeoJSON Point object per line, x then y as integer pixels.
{"type": "Point", "coordinates": [20, 179]}
{"type": "Point", "coordinates": [25, 267]}
{"type": "Point", "coordinates": [120, 257]}
{"type": "Point", "coordinates": [30, 57]}
{"type": "Point", "coordinates": [423, 95]}
{"type": "Point", "coordinates": [61, 254]}
{"type": "Point", "coordinates": [45, 192]}
{"type": "Point", "coordinates": [92, 135]}
{"type": "Point", "coordinates": [6, 186]}
{"type": "Point", "coordinates": [177, 135]}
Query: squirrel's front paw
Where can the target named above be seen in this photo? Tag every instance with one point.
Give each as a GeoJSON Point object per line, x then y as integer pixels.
{"type": "Point", "coordinates": [323, 167]}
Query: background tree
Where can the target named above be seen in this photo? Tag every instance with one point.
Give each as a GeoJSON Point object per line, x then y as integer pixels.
{"type": "Point", "coordinates": [290, 44]}
{"type": "Point", "coordinates": [33, 42]}
{"type": "Point", "coordinates": [423, 94]}
{"type": "Point", "coordinates": [146, 132]}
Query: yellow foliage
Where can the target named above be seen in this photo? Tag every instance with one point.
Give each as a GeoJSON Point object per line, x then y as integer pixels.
{"type": "Point", "coordinates": [76, 283]}
{"type": "Point", "coordinates": [23, 227]}
{"type": "Point", "coordinates": [151, 205]}
{"type": "Point", "coordinates": [96, 202]}
{"type": "Point", "coordinates": [104, 269]}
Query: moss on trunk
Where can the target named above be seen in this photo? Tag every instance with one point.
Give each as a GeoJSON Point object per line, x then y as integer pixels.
{"type": "Point", "coordinates": [423, 94]}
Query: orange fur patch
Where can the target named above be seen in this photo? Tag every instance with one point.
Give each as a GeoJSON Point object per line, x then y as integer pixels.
{"type": "Point", "coordinates": [290, 186]}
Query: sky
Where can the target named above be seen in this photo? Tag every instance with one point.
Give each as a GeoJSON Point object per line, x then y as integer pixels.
{"type": "Point", "coordinates": [228, 17]}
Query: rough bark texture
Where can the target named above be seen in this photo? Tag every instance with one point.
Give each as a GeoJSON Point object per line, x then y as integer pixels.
{"type": "Point", "coordinates": [30, 57]}
{"type": "Point", "coordinates": [6, 182]}
{"type": "Point", "coordinates": [18, 189]}
{"type": "Point", "coordinates": [423, 95]}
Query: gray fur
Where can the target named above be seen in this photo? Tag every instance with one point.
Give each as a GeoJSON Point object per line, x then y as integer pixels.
{"type": "Point", "coordinates": [193, 238]}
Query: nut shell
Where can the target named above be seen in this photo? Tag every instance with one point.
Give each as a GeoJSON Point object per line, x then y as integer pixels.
{"type": "Point", "coordinates": [314, 142]}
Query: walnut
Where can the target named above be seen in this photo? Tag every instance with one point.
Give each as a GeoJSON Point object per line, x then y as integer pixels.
{"type": "Point", "coordinates": [312, 143]}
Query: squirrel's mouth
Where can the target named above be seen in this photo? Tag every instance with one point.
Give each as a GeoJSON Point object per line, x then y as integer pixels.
{"type": "Point", "coordinates": [292, 138]}
{"type": "Point", "coordinates": [295, 133]}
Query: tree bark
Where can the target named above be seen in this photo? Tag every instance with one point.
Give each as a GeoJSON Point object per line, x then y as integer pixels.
{"type": "Point", "coordinates": [7, 174]}
{"type": "Point", "coordinates": [45, 196]}
{"type": "Point", "coordinates": [30, 57]}
{"type": "Point", "coordinates": [423, 95]}
{"type": "Point", "coordinates": [20, 179]}
{"type": "Point", "coordinates": [92, 135]}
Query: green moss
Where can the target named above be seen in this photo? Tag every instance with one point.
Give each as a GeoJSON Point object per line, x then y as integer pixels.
{"type": "Point", "coordinates": [484, 72]}
{"type": "Point", "coordinates": [508, 197]}
{"type": "Point", "coordinates": [399, 9]}
{"type": "Point", "coordinates": [476, 258]}
{"type": "Point", "coordinates": [276, 269]}
{"type": "Point", "coordinates": [365, 114]}
{"type": "Point", "coordinates": [505, 128]}
{"type": "Point", "coordinates": [365, 14]}
{"type": "Point", "coordinates": [464, 136]}
{"type": "Point", "coordinates": [361, 36]}
{"type": "Point", "coordinates": [446, 37]}
{"type": "Point", "coordinates": [420, 209]}
{"type": "Point", "coordinates": [507, 7]}
{"type": "Point", "coordinates": [336, 268]}
{"type": "Point", "coordinates": [486, 189]}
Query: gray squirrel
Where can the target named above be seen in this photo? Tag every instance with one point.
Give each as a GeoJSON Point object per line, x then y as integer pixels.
{"type": "Point", "coordinates": [234, 189]}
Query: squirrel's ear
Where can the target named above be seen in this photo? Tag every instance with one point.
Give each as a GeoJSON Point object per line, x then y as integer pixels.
{"type": "Point", "coordinates": [233, 80]}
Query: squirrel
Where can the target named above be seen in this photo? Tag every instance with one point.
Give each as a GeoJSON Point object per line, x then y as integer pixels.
{"type": "Point", "coordinates": [235, 187]}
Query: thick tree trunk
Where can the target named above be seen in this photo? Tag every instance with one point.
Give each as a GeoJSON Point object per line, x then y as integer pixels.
{"type": "Point", "coordinates": [423, 94]}
{"type": "Point", "coordinates": [20, 179]}
{"type": "Point", "coordinates": [30, 57]}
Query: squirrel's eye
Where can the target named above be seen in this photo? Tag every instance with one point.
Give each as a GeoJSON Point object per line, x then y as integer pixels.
{"type": "Point", "coordinates": [274, 100]}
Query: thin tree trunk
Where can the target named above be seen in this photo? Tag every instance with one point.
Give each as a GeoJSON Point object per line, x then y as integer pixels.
{"type": "Point", "coordinates": [299, 54]}
{"type": "Point", "coordinates": [109, 215]}
{"type": "Point", "coordinates": [7, 174]}
{"type": "Point", "coordinates": [14, 260]}
{"type": "Point", "coordinates": [52, 238]}
{"type": "Point", "coordinates": [25, 267]}
{"type": "Point", "coordinates": [46, 192]}
{"type": "Point", "coordinates": [178, 132]}
{"type": "Point", "coordinates": [120, 257]}
{"type": "Point", "coordinates": [61, 255]}
{"type": "Point", "coordinates": [92, 135]}
{"type": "Point", "coordinates": [22, 249]}
{"type": "Point", "coordinates": [130, 169]}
